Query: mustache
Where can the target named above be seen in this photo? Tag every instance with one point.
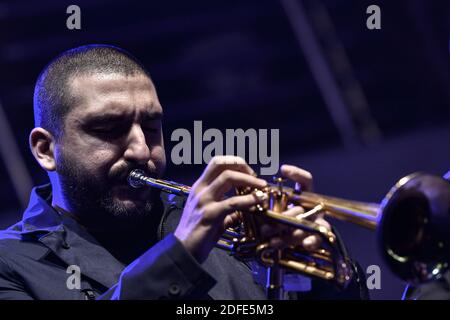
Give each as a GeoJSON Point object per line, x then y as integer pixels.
{"type": "Point", "coordinates": [121, 172]}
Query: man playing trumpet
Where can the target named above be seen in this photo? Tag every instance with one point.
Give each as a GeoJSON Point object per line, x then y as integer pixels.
{"type": "Point", "coordinates": [97, 118]}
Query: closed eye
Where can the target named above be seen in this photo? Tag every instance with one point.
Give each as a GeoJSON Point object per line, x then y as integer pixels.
{"type": "Point", "coordinates": [152, 126]}
{"type": "Point", "coordinates": [150, 129]}
{"type": "Point", "coordinates": [113, 132]}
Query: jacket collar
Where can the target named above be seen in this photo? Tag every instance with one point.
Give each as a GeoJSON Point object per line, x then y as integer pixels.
{"type": "Point", "coordinates": [39, 216]}
{"type": "Point", "coordinates": [68, 240]}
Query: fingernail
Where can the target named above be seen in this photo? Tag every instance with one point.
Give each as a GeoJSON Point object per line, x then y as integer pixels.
{"type": "Point", "coordinates": [308, 242]}
{"type": "Point", "coordinates": [262, 196]}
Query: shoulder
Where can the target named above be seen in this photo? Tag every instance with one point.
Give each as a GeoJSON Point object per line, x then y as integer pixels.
{"type": "Point", "coordinates": [10, 237]}
{"type": "Point", "coordinates": [14, 247]}
{"type": "Point", "coordinates": [9, 244]}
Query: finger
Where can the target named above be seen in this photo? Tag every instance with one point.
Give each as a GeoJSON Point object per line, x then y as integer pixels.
{"type": "Point", "coordinates": [229, 179]}
{"type": "Point", "coordinates": [297, 236]}
{"type": "Point", "coordinates": [221, 163]}
{"type": "Point", "coordinates": [294, 211]}
{"type": "Point", "coordinates": [232, 219]}
{"type": "Point", "coordinates": [237, 203]}
{"type": "Point", "coordinates": [293, 235]}
{"type": "Point", "coordinates": [323, 222]}
{"type": "Point", "coordinates": [298, 175]}
{"type": "Point", "coordinates": [311, 243]}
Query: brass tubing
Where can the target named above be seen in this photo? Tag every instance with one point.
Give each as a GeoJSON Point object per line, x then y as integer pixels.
{"type": "Point", "coordinates": [360, 213]}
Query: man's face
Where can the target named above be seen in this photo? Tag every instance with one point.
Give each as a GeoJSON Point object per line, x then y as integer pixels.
{"type": "Point", "coordinates": [113, 127]}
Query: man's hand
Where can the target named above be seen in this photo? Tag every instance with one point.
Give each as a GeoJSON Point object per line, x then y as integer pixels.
{"type": "Point", "coordinates": [206, 213]}
{"type": "Point", "coordinates": [304, 181]}
{"type": "Point", "coordinates": [282, 236]}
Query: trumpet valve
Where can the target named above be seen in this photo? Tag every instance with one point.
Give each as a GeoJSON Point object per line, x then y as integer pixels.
{"type": "Point", "coordinates": [278, 198]}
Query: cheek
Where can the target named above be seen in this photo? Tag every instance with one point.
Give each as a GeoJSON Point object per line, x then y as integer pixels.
{"type": "Point", "coordinates": [101, 158]}
{"type": "Point", "coordinates": [93, 155]}
{"type": "Point", "coordinates": [157, 150]}
{"type": "Point", "coordinates": [98, 158]}
{"type": "Point", "coordinates": [158, 156]}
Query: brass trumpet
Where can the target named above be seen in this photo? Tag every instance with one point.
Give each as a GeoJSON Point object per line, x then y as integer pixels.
{"type": "Point", "coordinates": [412, 223]}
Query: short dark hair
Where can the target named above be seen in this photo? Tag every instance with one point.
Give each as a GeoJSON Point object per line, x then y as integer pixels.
{"type": "Point", "coordinates": [52, 97]}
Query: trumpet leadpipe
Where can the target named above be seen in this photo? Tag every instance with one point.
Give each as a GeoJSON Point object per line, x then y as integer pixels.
{"type": "Point", "coordinates": [138, 179]}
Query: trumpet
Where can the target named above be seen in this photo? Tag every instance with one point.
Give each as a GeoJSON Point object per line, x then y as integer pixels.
{"type": "Point", "coordinates": [412, 224]}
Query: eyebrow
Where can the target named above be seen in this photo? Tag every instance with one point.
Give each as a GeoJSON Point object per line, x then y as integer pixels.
{"type": "Point", "coordinates": [108, 118]}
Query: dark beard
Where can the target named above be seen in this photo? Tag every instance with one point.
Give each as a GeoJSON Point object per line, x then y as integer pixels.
{"type": "Point", "coordinates": [91, 198]}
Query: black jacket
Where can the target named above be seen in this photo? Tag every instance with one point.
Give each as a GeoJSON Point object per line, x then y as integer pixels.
{"type": "Point", "coordinates": [36, 252]}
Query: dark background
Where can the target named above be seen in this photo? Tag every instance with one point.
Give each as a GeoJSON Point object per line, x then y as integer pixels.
{"type": "Point", "coordinates": [248, 64]}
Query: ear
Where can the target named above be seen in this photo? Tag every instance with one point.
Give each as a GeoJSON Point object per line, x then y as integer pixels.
{"type": "Point", "coordinates": [42, 145]}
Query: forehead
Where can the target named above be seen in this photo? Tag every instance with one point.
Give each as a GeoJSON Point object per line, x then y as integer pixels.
{"type": "Point", "coordinates": [113, 93]}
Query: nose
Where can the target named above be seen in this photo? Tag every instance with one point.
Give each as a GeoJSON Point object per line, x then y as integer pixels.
{"type": "Point", "coordinates": [137, 150]}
